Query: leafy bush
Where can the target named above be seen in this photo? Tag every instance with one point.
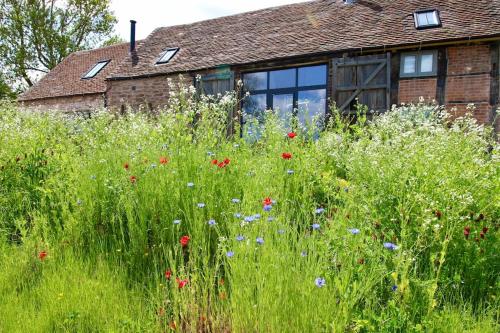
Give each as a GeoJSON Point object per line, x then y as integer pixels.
{"type": "Point", "coordinates": [382, 225]}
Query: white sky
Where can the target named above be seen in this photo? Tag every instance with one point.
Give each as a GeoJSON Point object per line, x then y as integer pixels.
{"type": "Point", "coordinates": [151, 14]}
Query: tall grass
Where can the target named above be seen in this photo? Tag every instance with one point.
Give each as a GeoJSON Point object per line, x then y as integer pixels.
{"type": "Point", "coordinates": [387, 225]}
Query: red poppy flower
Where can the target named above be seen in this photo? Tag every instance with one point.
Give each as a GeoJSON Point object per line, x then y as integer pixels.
{"type": "Point", "coordinates": [221, 165]}
{"type": "Point", "coordinates": [168, 274]}
{"type": "Point", "coordinates": [184, 241]}
{"type": "Point", "coordinates": [215, 162]}
{"type": "Point", "coordinates": [181, 283]}
{"type": "Point", "coordinates": [482, 235]}
{"type": "Point", "coordinates": [267, 201]}
{"type": "Point", "coordinates": [227, 161]}
{"type": "Point", "coordinates": [133, 179]}
{"type": "Point", "coordinates": [485, 230]}
{"type": "Point", "coordinates": [126, 166]}
{"type": "Point", "coordinates": [292, 135]}
{"type": "Point", "coordinates": [42, 255]}
{"type": "Point", "coordinates": [467, 232]}
{"type": "Point", "coordinates": [286, 156]}
{"type": "Point", "coordinates": [163, 160]}
{"type": "Point", "coordinates": [438, 213]}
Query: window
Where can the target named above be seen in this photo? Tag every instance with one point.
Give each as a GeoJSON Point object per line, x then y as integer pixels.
{"type": "Point", "coordinates": [427, 19]}
{"type": "Point", "coordinates": [294, 92]}
{"type": "Point", "coordinates": [96, 69]}
{"type": "Point", "coordinates": [167, 55]}
{"type": "Point", "coordinates": [422, 63]}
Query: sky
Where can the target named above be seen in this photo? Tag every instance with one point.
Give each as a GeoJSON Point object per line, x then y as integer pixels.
{"type": "Point", "coordinates": [151, 14]}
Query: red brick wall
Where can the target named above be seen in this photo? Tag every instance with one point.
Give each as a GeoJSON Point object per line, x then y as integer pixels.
{"type": "Point", "coordinates": [469, 81]}
{"type": "Point", "coordinates": [148, 92]}
{"type": "Point", "coordinates": [410, 90]}
{"type": "Point", "coordinates": [66, 104]}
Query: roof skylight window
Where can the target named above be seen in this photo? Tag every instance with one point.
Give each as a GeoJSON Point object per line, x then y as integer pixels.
{"type": "Point", "coordinates": [427, 19]}
{"type": "Point", "coordinates": [96, 69]}
{"type": "Point", "coordinates": [167, 55]}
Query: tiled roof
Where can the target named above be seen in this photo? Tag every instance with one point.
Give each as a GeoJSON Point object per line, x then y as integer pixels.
{"type": "Point", "coordinates": [308, 28]}
{"type": "Point", "coordinates": [66, 78]}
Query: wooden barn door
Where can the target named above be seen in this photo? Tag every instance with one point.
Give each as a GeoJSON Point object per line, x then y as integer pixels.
{"type": "Point", "coordinates": [365, 78]}
{"type": "Point", "coordinates": [213, 84]}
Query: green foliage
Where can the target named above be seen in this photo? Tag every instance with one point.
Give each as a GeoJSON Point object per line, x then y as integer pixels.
{"type": "Point", "coordinates": [36, 35]}
{"type": "Point", "coordinates": [100, 197]}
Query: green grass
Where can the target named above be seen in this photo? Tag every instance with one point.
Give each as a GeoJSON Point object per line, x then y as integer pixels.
{"type": "Point", "coordinates": [94, 195]}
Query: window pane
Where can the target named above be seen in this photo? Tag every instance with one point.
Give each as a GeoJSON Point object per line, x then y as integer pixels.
{"type": "Point", "coordinates": [426, 62]}
{"type": "Point", "coordinates": [282, 79]}
{"type": "Point", "coordinates": [312, 105]}
{"type": "Point", "coordinates": [432, 18]}
{"type": "Point", "coordinates": [93, 72]}
{"type": "Point", "coordinates": [283, 106]}
{"type": "Point", "coordinates": [254, 107]}
{"type": "Point", "coordinates": [255, 81]}
{"type": "Point", "coordinates": [410, 62]}
{"type": "Point", "coordinates": [422, 19]}
{"type": "Point", "coordinates": [165, 57]}
{"type": "Point", "coordinates": [311, 76]}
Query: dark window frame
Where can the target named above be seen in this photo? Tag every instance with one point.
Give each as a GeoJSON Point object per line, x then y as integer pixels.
{"type": "Point", "coordinates": [418, 57]}
{"type": "Point", "coordinates": [86, 77]}
{"type": "Point", "coordinates": [428, 26]}
{"type": "Point", "coordinates": [165, 51]}
{"type": "Point", "coordinates": [292, 90]}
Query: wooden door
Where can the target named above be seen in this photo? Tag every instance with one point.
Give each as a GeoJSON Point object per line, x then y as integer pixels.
{"type": "Point", "coordinates": [366, 79]}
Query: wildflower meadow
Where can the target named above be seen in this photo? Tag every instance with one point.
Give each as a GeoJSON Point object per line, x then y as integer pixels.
{"type": "Point", "coordinates": [184, 221]}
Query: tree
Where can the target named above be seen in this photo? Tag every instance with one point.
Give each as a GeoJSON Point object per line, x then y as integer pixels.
{"type": "Point", "coordinates": [36, 35]}
{"type": "Point", "coordinates": [5, 90]}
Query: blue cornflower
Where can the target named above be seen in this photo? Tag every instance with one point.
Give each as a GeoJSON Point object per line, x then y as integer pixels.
{"type": "Point", "coordinates": [316, 226]}
{"type": "Point", "coordinates": [237, 215]}
{"type": "Point", "coordinates": [270, 219]}
{"type": "Point", "coordinates": [79, 202]}
{"type": "Point", "coordinates": [303, 253]}
{"type": "Point", "coordinates": [212, 222]}
{"type": "Point", "coordinates": [320, 282]}
{"type": "Point", "coordinates": [240, 238]}
{"type": "Point", "coordinates": [257, 216]}
{"type": "Point", "coordinates": [229, 254]}
{"type": "Point", "coordinates": [190, 184]}
{"type": "Point", "coordinates": [391, 246]}
{"type": "Point", "coordinates": [290, 172]}
{"type": "Point", "coordinates": [209, 153]}
{"type": "Point", "coordinates": [320, 210]}
{"type": "Point", "coordinates": [354, 231]}
{"type": "Point", "coordinates": [260, 240]}
{"type": "Point", "coordinates": [249, 219]}
{"type": "Point", "coordinates": [268, 208]}
{"type": "Point", "coordinates": [394, 288]}
{"type": "Point", "coordinates": [281, 231]}
{"type": "Point", "coordinates": [201, 205]}
{"type": "Point", "coordinates": [153, 165]}
{"type": "Point", "coordinates": [235, 200]}
{"type": "Point", "coordinates": [177, 221]}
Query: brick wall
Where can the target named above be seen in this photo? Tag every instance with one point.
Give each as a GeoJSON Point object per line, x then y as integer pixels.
{"type": "Point", "coordinates": [66, 104]}
{"type": "Point", "coordinates": [410, 90]}
{"type": "Point", "coordinates": [151, 93]}
{"type": "Point", "coordinates": [469, 81]}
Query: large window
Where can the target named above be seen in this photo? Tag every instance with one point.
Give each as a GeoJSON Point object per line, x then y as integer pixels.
{"type": "Point", "coordinates": [294, 92]}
